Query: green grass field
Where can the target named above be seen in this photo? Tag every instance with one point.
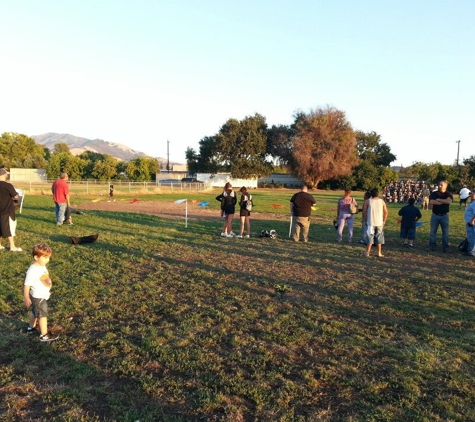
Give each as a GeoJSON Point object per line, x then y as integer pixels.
{"type": "Point", "coordinates": [159, 322]}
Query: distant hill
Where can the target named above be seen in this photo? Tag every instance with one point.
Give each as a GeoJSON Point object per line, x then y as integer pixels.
{"type": "Point", "coordinates": [78, 145]}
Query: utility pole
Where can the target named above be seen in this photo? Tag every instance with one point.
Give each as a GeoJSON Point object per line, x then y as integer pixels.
{"type": "Point", "coordinates": [458, 151]}
{"type": "Point", "coordinates": [168, 156]}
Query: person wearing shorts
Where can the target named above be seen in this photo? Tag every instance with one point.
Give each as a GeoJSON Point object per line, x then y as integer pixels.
{"type": "Point", "coordinates": [245, 207]}
{"type": "Point", "coordinates": [8, 195]}
{"type": "Point", "coordinates": [36, 292]}
{"type": "Point", "coordinates": [375, 213]}
{"type": "Point", "coordinates": [228, 201]}
{"type": "Point", "coordinates": [410, 215]}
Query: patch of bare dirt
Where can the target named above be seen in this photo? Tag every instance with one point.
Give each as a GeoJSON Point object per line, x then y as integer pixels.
{"type": "Point", "coordinates": [167, 209]}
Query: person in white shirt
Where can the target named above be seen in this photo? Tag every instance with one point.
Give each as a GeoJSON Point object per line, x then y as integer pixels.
{"type": "Point", "coordinates": [375, 213]}
{"type": "Point", "coordinates": [464, 194]}
{"type": "Point", "coordinates": [36, 291]}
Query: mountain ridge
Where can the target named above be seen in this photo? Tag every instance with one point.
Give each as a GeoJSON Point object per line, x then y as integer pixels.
{"type": "Point", "coordinates": [78, 145]}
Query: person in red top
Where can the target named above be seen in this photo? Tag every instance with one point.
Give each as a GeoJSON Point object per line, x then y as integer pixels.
{"type": "Point", "coordinates": [60, 191]}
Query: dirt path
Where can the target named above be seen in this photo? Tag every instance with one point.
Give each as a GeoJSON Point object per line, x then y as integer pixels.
{"type": "Point", "coordinates": [168, 209]}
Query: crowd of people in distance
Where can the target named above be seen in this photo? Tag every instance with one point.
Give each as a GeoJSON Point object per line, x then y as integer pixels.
{"type": "Point", "coordinates": [399, 192]}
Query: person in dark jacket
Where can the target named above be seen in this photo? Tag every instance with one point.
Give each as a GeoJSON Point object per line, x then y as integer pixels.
{"type": "Point", "coordinates": [410, 215]}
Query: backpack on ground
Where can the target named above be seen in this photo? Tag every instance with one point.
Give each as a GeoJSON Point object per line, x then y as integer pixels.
{"type": "Point", "coordinates": [463, 247]}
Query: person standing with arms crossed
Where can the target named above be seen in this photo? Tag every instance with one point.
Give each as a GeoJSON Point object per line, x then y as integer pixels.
{"type": "Point", "coordinates": [60, 191]}
{"type": "Point", "coordinates": [301, 205]}
{"type": "Point", "coordinates": [440, 201]}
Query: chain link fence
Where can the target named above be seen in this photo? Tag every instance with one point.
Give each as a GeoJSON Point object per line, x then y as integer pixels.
{"type": "Point", "coordinates": [97, 187]}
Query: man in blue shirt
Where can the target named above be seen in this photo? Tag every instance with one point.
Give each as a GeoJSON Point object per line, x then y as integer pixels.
{"type": "Point", "coordinates": [470, 226]}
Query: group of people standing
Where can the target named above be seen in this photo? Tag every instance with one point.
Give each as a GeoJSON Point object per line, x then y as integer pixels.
{"type": "Point", "coordinates": [228, 199]}
{"type": "Point", "coordinates": [375, 214]}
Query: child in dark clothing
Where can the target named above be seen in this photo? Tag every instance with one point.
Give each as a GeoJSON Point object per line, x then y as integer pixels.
{"type": "Point", "coordinates": [410, 214]}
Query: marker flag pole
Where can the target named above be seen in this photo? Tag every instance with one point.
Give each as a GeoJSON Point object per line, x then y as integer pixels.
{"type": "Point", "coordinates": [180, 201]}
{"type": "Point", "coordinates": [290, 227]}
{"type": "Point", "coordinates": [21, 197]}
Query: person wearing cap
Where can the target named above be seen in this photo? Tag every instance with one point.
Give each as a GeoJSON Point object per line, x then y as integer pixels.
{"type": "Point", "coordinates": [440, 201]}
{"type": "Point", "coordinates": [469, 217]}
{"type": "Point", "coordinates": [7, 211]}
{"type": "Point", "coordinates": [60, 191]}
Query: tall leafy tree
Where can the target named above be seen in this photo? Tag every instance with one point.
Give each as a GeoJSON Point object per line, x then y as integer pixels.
{"type": "Point", "coordinates": [242, 147]}
{"type": "Point", "coordinates": [324, 145]}
{"type": "Point", "coordinates": [371, 149]}
{"type": "Point", "coordinates": [280, 144]}
{"type": "Point", "coordinates": [91, 158]}
{"type": "Point", "coordinates": [62, 162]}
{"type": "Point", "coordinates": [105, 169]}
{"type": "Point", "coordinates": [207, 158]}
{"type": "Point", "coordinates": [469, 163]}
{"type": "Point", "coordinates": [18, 150]}
{"type": "Point", "coordinates": [239, 148]}
{"type": "Point", "coordinates": [191, 161]}
{"type": "Point", "coordinates": [142, 169]}
{"type": "Point", "coordinates": [62, 147]}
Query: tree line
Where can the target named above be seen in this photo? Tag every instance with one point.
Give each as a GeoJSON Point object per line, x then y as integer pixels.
{"type": "Point", "coordinates": [21, 151]}
{"type": "Point", "coordinates": [320, 147]}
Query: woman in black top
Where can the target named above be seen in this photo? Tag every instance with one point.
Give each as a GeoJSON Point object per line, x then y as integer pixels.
{"type": "Point", "coordinates": [245, 204]}
{"type": "Point", "coordinates": [228, 203]}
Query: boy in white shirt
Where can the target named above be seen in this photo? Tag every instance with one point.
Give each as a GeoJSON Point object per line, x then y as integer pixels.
{"type": "Point", "coordinates": [36, 291]}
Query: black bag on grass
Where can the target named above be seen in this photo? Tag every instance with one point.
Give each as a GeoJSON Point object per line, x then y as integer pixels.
{"type": "Point", "coordinates": [463, 247]}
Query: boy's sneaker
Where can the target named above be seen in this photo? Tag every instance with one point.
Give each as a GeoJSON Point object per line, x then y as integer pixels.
{"type": "Point", "coordinates": [248, 236]}
{"type": "Point", "coordinates": [224, 234]}
{"type": "Point", "coordinates": [30, 330]}
{"type": "Point", "coordinates": [45, 338]}
{"type": "Point", "coordinates": [232, 234]}
{"type": "Point", "coordinates": [239, 236]}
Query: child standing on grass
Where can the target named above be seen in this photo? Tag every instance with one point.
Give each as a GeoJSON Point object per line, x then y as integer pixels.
{"type": "Point", "coordinates": [36, 291]}
{"type": "Point", "coordinates": [410, 214]}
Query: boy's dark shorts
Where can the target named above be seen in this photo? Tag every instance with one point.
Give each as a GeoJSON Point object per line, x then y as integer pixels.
{"type": "Point", "coordinates": [463, 201]}
{"type": "Point", "coordinates": [408, 233]}
{"type": "Point", "coordinates": [39, 307]}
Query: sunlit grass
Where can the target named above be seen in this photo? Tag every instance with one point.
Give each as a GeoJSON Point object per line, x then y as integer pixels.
{"type": "Point", "coordinates": [162, 322]}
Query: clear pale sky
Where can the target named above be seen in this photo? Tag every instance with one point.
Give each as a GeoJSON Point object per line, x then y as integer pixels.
{"type": "Point", "coordinates": [140, 72]}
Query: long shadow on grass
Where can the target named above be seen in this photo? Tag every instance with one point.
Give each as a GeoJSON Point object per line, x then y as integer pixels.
{"type": "Point", "coordinates": [47, 384]}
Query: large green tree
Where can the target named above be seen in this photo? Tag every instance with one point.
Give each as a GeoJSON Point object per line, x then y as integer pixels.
{"type": "Point", "coordinates": [371, 149]}
{"type": "Point", "coordinates": [63, 162]}
{"type": "Point", "coordinates": [105, 169]}
{"type": "Point", "coordinates": [17, 150]}
{"type": "Point", "coordinates": [324, 145]}
{"type": "Point", "coordinates": [242, 147]}
{"type": "Point", "coordinates": [280, 145]}
{"type": "Point", "coordinates": [142, 169]}
{"type": "Point", "coordinates": [434, 172]}
{"type": "Point", "coordinates": [238, 148]}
